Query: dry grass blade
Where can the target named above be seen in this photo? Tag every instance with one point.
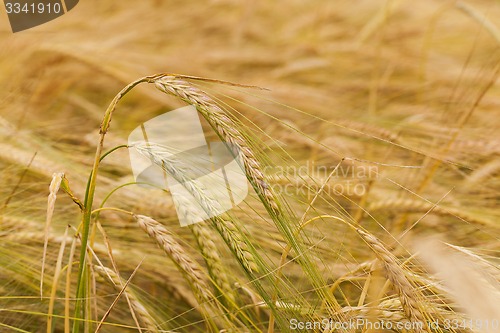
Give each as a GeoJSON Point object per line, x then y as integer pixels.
{"type": "Point", "coordinates": [188, 266]}
{"type": "Point", "coordinates": [142, 313]}
{"type": "Point", "coordinates": [16, 156]}
{"type": "Point", "coordinates": [68, 287]}
{"type": "Point", "coordinates": [55, 281]}
{"type": "Point", "coordinates": [14, 189]}
{"type": "Point", "coordinates": [411, 301]}
{"type": "Point", "coordinates": [51, 202]}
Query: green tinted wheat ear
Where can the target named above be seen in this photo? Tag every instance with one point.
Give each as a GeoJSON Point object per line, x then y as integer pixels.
{"type": "Point", "coordinates": [188, 266]}
{"type": "Point", "coordinates": [226, 128]}
{"type": "Point", "coordinates": [178, 170]}
{"type": "Point", "coordinates": [206, 243]}
{"type": "Point", "coordinates": [410, 299]}
{"type": "Point", "coordinates": [227, 230]}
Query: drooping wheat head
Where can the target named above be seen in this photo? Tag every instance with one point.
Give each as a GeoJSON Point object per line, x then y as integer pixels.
{"type": "Point", "coordinates": [187, 265]}
{"type": "Point", "coordinates": [206, 242]}
{"type": "Point", "coordinates": [225, 227]}
{"type": "Point", "coordinates": [227, 130]}
{"type": "Point", "coordinates": [410, 299]}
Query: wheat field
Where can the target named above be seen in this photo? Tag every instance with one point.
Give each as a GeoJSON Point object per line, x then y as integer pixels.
{"type": "Point", "coordinates": [367, 133]}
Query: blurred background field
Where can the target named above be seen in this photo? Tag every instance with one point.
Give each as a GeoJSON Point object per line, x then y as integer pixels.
{"type": "Point", "coordinates": [409, 88]}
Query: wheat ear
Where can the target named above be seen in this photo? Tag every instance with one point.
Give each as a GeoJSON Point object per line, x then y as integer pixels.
{"type": "Point", "coordinates": [188, 266]}
{"type": "Point", "coordinates": [141, 312]}
{"type": "Point", "coordinates": [226, 228]}
{"type": "Point", "coordinates": [389, 310]}
{"type": "Point", "coordinates": [206, 242]}
{"type": "Point", "coordinates": [226, 128]}
{"type": "Point", "coordinates": [407, 294]}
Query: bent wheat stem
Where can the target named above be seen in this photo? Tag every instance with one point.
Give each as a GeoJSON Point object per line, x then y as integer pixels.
{"type": "Point", "coordinates": [89, 198]}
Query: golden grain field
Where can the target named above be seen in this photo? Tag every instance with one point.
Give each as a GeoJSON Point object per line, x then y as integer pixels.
{"type": "Point", "coordinates": [367, 133]}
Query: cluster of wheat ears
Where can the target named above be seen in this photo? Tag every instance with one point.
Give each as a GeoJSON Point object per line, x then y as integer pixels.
{"type": "Point", "coordinates": [368, 138]}
{"type": "Point", "coordinates": [417, 298]}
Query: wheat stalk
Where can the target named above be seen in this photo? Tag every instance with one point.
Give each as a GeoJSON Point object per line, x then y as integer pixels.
{"type": "Point", "coordinates": [410, 300]}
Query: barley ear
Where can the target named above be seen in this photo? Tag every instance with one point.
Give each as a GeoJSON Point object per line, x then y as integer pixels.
{"type": "Point", "coordinates": [178, 170]}
{"type": "Point", "coordinates": [191, 270]}
{"type": "Point", "coordinates": [227, 129]}
{"type": "Point", "coordinates": [206, 242]}
{"type": "Point", "coordinates": [410, 299]}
